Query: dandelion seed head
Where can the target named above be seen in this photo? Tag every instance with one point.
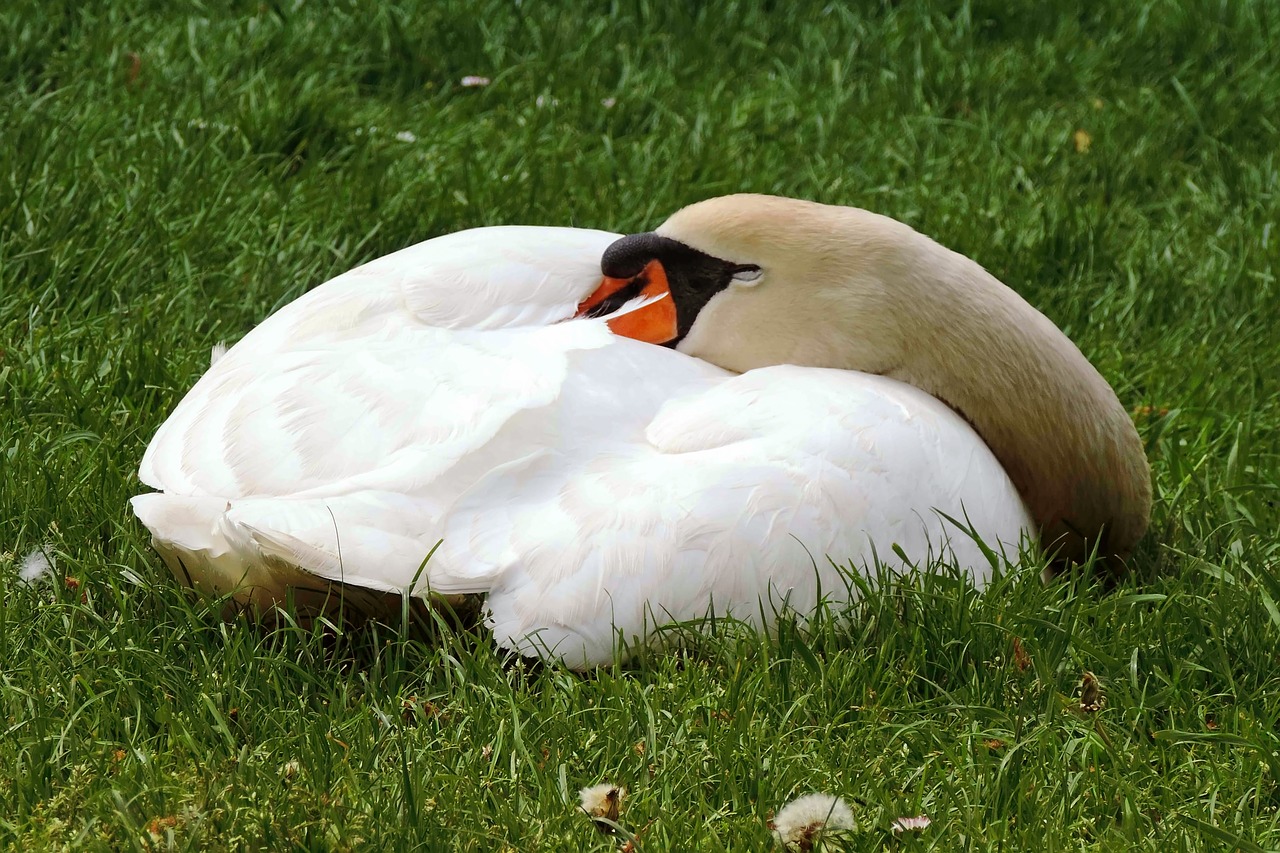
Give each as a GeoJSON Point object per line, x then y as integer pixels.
{"type": "Point", "coordinates": [1091, 698]}
{"type": "Point", "coordinates": [805, 819]}
{"type": "Point", "coordinates": [603, 802]}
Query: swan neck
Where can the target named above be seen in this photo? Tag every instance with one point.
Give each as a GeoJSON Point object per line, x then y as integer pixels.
{"type": "Point", "coordinates": [1052, 420]}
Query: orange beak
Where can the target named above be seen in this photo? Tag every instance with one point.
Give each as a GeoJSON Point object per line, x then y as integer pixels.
{"type": "Point", "coordinates": [654, 323]}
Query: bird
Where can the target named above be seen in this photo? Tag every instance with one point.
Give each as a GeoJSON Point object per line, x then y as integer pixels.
{"type": "Point", "coordinates": [605, 434]}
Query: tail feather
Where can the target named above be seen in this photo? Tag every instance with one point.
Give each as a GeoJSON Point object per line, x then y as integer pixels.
{"type": "Point", "coordinates": [263, 556]}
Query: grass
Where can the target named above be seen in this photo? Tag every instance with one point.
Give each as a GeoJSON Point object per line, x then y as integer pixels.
{"type": "Point", "coordinates": [170, 173]}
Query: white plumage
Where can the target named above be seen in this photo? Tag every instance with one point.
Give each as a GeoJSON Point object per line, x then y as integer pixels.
{"type": "Point", "coordinates": [592, 485]}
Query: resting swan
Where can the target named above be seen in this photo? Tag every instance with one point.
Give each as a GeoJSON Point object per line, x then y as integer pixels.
{"type": "Point", "coordinates": [833, 384]}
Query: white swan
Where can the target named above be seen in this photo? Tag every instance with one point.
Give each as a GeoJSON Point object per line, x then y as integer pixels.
{"type": "Point", "coordinates": [595, 486]}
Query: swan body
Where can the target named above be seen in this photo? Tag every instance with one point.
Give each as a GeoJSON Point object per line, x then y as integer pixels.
{"type": "Point", "coordinates": [453, 396]}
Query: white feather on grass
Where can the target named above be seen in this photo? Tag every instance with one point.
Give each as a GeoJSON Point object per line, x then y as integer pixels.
{"type": "Point", "coordinates": [37, 566]}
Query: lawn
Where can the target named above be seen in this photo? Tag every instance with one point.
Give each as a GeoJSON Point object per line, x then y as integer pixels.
{"type": "Point", "coordinates": [171, 173]}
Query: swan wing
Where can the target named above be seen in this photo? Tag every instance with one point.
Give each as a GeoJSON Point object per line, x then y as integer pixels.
{"type": "Point", "coordinates": [315, 440]}
{"type": "Point", "coordinates": [738, 497]}
{"type": "Point", "coordinates": [335, 381]}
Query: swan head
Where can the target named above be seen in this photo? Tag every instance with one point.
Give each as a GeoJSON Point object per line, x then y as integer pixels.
{"type": "Point", "coordinates": [747, 281]}
{"type": "Point", "coordinates": [758, 280]}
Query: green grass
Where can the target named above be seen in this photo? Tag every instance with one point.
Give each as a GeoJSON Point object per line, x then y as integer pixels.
{"type": "Point", "coordinates": [169, 176]}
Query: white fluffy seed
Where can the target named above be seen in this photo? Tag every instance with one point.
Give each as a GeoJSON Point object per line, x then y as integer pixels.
{"type": "Point", "coordinates": [806, 819]}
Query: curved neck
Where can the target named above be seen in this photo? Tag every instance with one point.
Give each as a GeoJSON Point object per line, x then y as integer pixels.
{"type": "Point", "coordinates": [1056, 426]}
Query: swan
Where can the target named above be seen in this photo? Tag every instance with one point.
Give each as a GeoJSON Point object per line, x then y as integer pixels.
{"type": "Point", "coordinates": [606, 433]}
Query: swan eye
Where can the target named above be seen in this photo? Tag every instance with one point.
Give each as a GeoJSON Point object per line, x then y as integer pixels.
{"type": "Point", "coordinates": [747, 274]}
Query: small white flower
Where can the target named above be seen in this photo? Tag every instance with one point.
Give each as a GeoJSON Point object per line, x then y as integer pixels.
{"type": "Point", "coordinates": [37, 566]}
{"type": "Point", "coordinates": [545, 101]}
{"type": "Point", "coordinates": [218, 351]}
{"type": "Point", "coordinates": [609, 103]}
{"type": "Point", "coordinates": [602, 803]}
{"type": "Point", "coordinates": [807, 819]}
{"type": "Point", "coordinates": [474, 81]}
{"type": "Point", "coordinates": [406, 136]}
{"type": "Point", "coordinates": [911, 824]}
